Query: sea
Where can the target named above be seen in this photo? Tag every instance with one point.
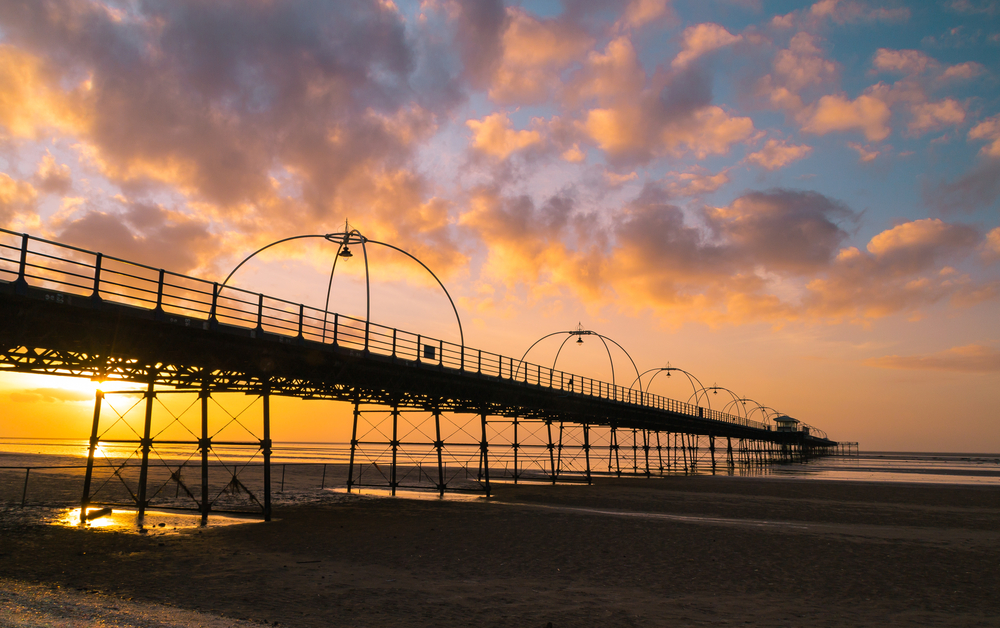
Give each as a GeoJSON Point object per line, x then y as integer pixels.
{"type": "Point", "coordinates": [864, 466]}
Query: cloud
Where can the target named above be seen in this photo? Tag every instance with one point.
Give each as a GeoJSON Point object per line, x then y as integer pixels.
{"type": "Point", "coordinates": [479, 34]}
{"type": "Point", "coordinates": [144, 233]}
{"type": "Point", "coordinates": [904, 61]}
{"type": "Point", "coordinates": [966, 70]}
{"type": "Point", "coordinates": [849, 12]}
{"type": "Point", "coordinates": [866, 113]}
{"type": "Point", "coordinates": [49, 395]}
{"type": "Point", "coordinates": [934, 115]}
{"type": "Point", "coordinates": [988, 129]}
{"type": "Point", "coordinates": [783, 230]}
{"type": "Point", "coordinates": [494, 136]}
{"type": "Point", "coordinates": [641, 12]}
{"type": "Point", "coordinates": [51, 177]}
{"type": "Point", "coordinates": [794, 69]}
{"type": "Point", "coordinates": [638, 133]}
{"type": "Point", "coordinates": [778, 154]}
{"type": "Point", "coordinates": [917, 244]}
{"type": "Point", "coordinates": [17, 199]}
{"type": "Point", "coordinates": [966, 359]}
{"type": "Point", "coordinates": [211, 100]}
{"type": "Point", "coordinates": [701, 39]}
{"type": "Point", "coordinates": [899, 272]}
{"type": "Point", "coordinates": [865, 153]}
{"type": "Point", "coordinates": [534, 53]}
{"type": "Point", "coordinates": [991, 246]}
{"type": "Point", "coordinates": [696, 183]}
{"type": "Point", "coordinates": [976, 190]}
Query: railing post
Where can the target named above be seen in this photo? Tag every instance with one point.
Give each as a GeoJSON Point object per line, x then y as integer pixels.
{"type": "Point", "coordinates": [336, 324]}
{"type": "Point", "coordinates": [158, 311]}
{"type": "Point", "coordinates": [260, 316]}
{"type": "Point", "coordinates": [213, 317]}
{"type": "Point", "coordinates": [21, 283]}
{"type": "Point", "coordinates": [96, 296]}
{"type": "Point", "coordinates": [302, 310]}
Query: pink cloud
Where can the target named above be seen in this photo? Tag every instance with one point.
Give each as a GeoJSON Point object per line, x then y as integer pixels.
{"type": "Point", "coordinates": [701, 39]}
{"type": "Point", "coordinates": [494, 136]}
{"type": "Point", "coordinates": [989, 130]}
{"type": "Point", "coordinates": [966, 359]}
{"type": "Point", "coordinates": [866, 113]}
{"type": "Point", "coordinates": [934, 115]}
{"type": "Point", "coordinates": [778, 154]}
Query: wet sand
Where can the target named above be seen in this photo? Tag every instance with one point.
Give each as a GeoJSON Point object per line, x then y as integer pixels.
{"type": "Point", "coordinates": [670, 551]}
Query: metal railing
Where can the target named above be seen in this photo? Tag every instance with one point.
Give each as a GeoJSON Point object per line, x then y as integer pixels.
{"type": "Point", "coordinates": [64, 270]}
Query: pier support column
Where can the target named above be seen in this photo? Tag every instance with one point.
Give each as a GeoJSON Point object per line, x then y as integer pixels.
{"type": "Point", "coordinates": [439, 445]}
{"type": "Point", "coordinates": [147, 444]}
{"type": "Point", "coordinates": [614, 446]}
{"type": "Point", "coordinates": [485, 447]}
{"type": "Point", "coordinates": [552, 454]}
{"type": "Point", "coordinates": [85, 500]}
{"type": "Point", "coordinates": [205, 445]}
{"type": "Point", "coordinates": [354, 442]}
{"type": "Point", "coordinates": [659, 451]}
{"type": "Point", "coordinates": [516, 446]}
{"type": "Point", "coordinates": [711, 448]}
{"type": "Point", "coordinates": [395, 449]}
{"type": "Point", "coordinates": [265, 446]}
{"type": "Point", "coordinates": [559, 449]}
{"type": "Point", "coordinates": [645, 449]}
{"type": "Point", "coordinates": [729, 451]}
{"type": "Point", "coordinates": [586, 449]}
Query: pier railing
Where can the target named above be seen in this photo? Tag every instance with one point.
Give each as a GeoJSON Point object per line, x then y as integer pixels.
{"type": "Point", "coordinates": [64, 270]}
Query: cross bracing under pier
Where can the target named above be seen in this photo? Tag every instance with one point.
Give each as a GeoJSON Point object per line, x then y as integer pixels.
{"type": "Point", "coordinates": [70, 312]}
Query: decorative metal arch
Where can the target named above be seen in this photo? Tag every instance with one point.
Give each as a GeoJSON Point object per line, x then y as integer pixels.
{"type": "Point", "coordinates": [343, 240]}
{"type": "Point", "coordinates": [579, 332]}
{"type": "Point", "coordinates": [691, 378]}
{"type": "Point", "coordinates": [703, 393]}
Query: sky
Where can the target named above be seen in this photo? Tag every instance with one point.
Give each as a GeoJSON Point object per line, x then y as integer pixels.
{"type": "Point", "coordinates": [795, 201]}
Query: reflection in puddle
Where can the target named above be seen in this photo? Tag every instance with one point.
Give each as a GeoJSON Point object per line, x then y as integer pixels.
{"type": "Point", "coordinates": [155, 522]}
{"type": "Point", "coordinates": [449, 496]}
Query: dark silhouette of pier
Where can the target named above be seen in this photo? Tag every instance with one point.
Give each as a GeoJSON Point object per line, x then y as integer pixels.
{"type": "Point", "coordinates": [71, 312]}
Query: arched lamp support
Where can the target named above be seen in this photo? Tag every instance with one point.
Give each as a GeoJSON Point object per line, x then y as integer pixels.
{"type": "Point", "coordinates": [691, 378]}
{"type": "Point", "coordinates": [353, 236]}
{"type": "Point", "coordinates": [580, 332]}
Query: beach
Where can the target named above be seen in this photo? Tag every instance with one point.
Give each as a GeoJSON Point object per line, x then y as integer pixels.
{"type": "Point", "coordinates": [703, 550]}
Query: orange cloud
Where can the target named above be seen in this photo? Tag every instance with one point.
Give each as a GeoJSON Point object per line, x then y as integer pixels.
{"type": "Point", "coordinates": [31, 100]}
{"type": "Point", "coordinates": [865, 153]}
{"type": "Point", "coordinates": [493, 135]}
{"type": "Point", "coordinates": [777, 154]}
{"type": "Point", "coordinates": [534, 53]}
{"type": "Point", "coordinates": [966, 359]}
{"type": "Point", "coordinates": [866, 113]}
{"type": "Point", "coordinates": [965, 70]}
{"type": "Point", "coordinates": [640, 12]}
{"type": "Point", "coordinates": [905, 61]}
{"type": "Point", "coordinates": [17, 199]}
{"type": "Point", "coordinates": [696, 183]}
{"type": "Point", "coordinates": [701, 39]}
{"type": "Point", "coordinates": [988, 129]}
{"type": "Point", "coordinates": [934, 115]}
{"type": "Point", "coordinates": [626, 130]}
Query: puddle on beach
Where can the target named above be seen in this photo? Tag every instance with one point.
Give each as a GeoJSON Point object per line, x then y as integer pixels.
{"type": "Point", "coordinates": [407, 494]}
{"type": "Point", "coordinates": [156, 522]}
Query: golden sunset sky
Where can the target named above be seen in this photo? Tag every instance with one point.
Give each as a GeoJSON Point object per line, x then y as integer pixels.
{"type": "Point", "coordinates": [795, 201]}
